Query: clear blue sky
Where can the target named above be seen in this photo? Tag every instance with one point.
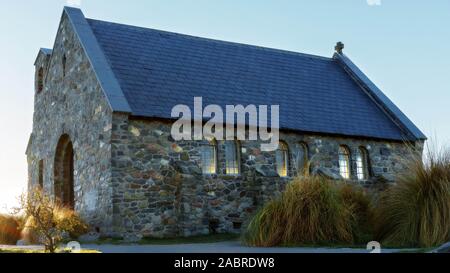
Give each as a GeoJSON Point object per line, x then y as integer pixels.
{"type": "Point", "coordinates": [402, 45]}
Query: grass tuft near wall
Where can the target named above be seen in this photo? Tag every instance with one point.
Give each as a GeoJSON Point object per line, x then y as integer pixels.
{"type": "Point", "coordinates": [312, 210]}
{"type": "Point", "coordinates": [416, 211]}
{"type": "Point", "coordinates": [9, 229]}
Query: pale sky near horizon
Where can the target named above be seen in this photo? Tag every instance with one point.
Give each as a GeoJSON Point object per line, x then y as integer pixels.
{"type": "Point", "coordinates": [402, 45]}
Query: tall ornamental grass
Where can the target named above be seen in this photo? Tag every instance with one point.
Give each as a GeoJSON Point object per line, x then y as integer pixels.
{"type": "Point", "coordinates": [312, 210]}
{"type": "Point", "coordinates": [416, 211]}
{"type": "Point", "coordinates": [9, 229]}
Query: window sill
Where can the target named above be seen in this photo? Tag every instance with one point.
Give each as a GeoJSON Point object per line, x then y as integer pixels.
{"type": "Point", "coordinates": [210, 175]}
{"type": "Point", "coordinates": [230, 176]}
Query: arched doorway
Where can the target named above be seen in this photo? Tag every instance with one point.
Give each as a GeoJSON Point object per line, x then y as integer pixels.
{"type": "Point", "coordinates": [63, 171]}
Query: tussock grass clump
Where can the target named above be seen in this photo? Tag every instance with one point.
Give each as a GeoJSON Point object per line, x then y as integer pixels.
{"type": "Point", "coordinates": [9, 229]}
{"type": "Point", "coordinates": [28, 234]}
{"type": "Point", "coordinates": [416, 211]}
{"type": "Point", "coordinates": [360, 203]}
{"type": "Point", "coordinates": [312, 210]}
{"type": "Point", "coordinates": [69, 221]}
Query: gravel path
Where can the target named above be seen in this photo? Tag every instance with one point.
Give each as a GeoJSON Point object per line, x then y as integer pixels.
{"type": "Point", "coordinates": [220, 247]}
{"type": "Point", "coordinates": [37, 248]}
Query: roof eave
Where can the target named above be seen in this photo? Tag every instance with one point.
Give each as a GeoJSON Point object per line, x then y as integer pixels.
{"type": "Point", "coordinates": [45, 51]}
{"type": "Point", "coordinates": [398, 117]}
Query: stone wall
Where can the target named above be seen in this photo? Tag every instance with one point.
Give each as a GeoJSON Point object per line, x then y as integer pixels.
{"type": "Point", "coordinates": [74, 104]}
{"type": "Point", "coordinates": [159, 189]}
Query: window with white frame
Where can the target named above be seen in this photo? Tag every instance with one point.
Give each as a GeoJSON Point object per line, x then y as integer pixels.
{"type": "Point", "coordinates": [232, 165]}
{"type": "Point", "coordinates": [209, 157]}
{"type": "Point", "coordinates": [344, 162]}
{"type": "Point", "coordinates": [362, 164]}
{"type": "Point", "coordinates": [282, 159]}
{"type": "Point", "coordinates": [303, 159]}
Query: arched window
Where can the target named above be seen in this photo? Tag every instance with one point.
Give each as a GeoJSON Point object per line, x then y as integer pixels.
{"type": "Point", "coordinates": [344, 162]}
{"type": "Point", "coordinates": [362, 164]}
{"type": "Point", "coordinates": [64, 64]}
{"type": "Point", "coordinates": [303, 159]}
{"type": "Point", "coordinates": [40, 80]}
{"type": "Point", "coordinates": [41, 174]}
{"type": "Point", "coordinates": [282, 159]}
{"type": "Point", "coordinates": [232, 158]}
{"type": "Point", "coordinates": [209, 157]}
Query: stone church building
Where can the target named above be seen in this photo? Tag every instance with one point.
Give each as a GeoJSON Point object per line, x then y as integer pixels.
{"type": "Point", "coordinates": [102, 144]}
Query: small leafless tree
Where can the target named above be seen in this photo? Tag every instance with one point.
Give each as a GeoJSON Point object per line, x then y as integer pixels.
{"type": "Point", "coordinates": [48, 219]}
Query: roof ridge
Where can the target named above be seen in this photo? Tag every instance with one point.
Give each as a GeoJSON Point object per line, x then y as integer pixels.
{"type": "Point", "coordinates": [188, 36]}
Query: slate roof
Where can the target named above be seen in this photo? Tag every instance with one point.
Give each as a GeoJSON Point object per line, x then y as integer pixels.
{"type": "Point", "coordinates": [155, 70]}
{"type": "Point", "coordinates": [47, 51]}
{"type": "Point", "coordinates": [44, 51]}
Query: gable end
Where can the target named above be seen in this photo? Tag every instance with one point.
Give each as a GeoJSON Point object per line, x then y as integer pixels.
{"type": "Point", "coordinates": [100, 65]}
{"type": "Point", "coordinates": [398, 117]}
